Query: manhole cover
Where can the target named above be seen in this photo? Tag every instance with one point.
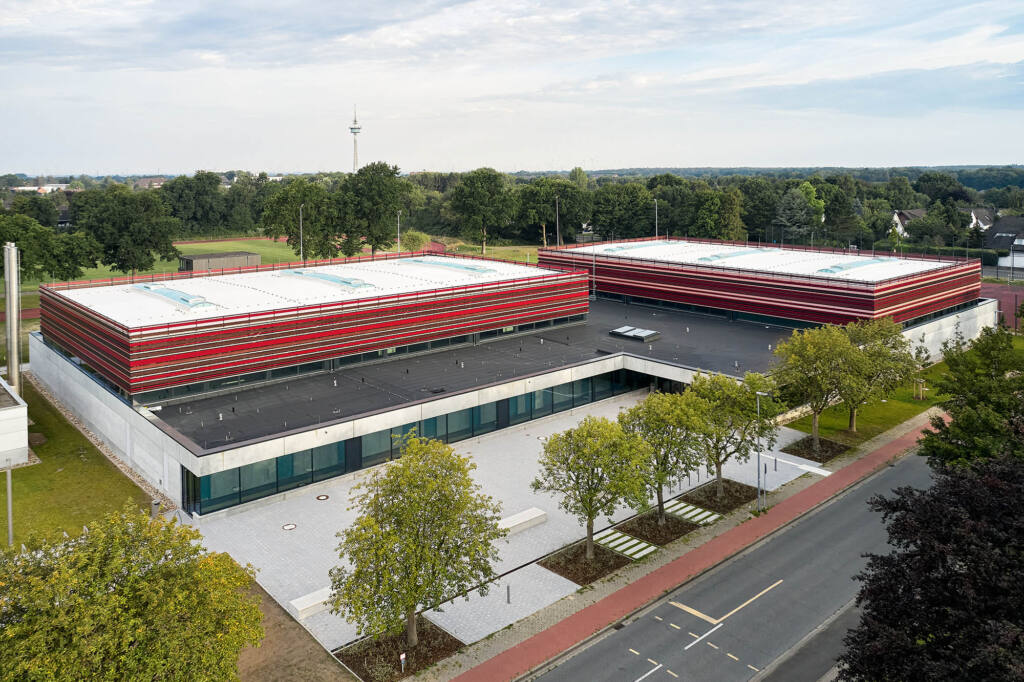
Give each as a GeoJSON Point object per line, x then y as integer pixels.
{"type": "Point", "coordinates": [288, 526]}
{"type": "Point", "coordinates": [323, 497]}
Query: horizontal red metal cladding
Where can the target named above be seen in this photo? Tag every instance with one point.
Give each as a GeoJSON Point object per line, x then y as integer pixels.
{"type": "Point", "coordinates": [161, 356]}
{"type": "Point", "coordinates": [815, 299]}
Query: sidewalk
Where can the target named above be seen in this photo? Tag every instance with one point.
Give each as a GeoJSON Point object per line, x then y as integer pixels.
{"type": "Point", "coordinates": [549, 643]}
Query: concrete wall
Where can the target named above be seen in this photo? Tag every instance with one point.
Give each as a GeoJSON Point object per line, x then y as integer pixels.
{"type": "Point", "coordinates": [969, 323]}
{"type": "Point", "coordinates": [144, 447]}
{"type": "Point", "coordinates": [13, 430]}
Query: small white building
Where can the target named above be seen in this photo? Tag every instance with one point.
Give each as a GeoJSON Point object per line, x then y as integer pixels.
{"type": "Point", "coordinates": [13, 428]}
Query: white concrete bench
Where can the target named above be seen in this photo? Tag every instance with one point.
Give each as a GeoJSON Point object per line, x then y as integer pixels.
{"type": "Point", "coordinates": [523, 520]}
{"type": "Point", "coordinates": [310, 604]}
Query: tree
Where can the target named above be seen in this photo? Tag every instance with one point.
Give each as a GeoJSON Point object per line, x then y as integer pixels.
{"type": "Point", "coordinates": [730, 224]}
{"type": "Point", "coordinates": [623, 210]}
{"type": "Point", "coordinates": [813, 366]}
{"type": "Point", "coordinates": [483, 202]}
{"type": "Point", "coordinates": [666, 422]}
{"type": "Point", "coordinates": [322, 229]}
{"type": "Point", "coordinates": [425, 535]}
{"type": "Point", "coordinates": [880, 362]}
{"type": "Point", "coordinates": [793, 217]}
{"type": "Point", "coordinates": [984, 383]}
{"type": "Point", "coordinates": [414, 241]}
{"type": "Point", "coordinates": [198, 202]}
{"type": "Point", "coordinates": [816, 204]}
{"type": "Point", "coordinates": [731, 428]}
{"type": "Point", "coordinates": [940, 187]}
{"type": "Point", "coordinates": [596, 467]}
{"type": "Point", "coordinates": [132, 599]}
{"type": "Point", "coordinates": [578, 177]}
{"type": "Point", "coordinates": [40, 208]}
{"type": "Point", "coordinates": [946, 602]}
{"type": "Point", "coordinates": [130, 227]}
{"type": "Point", "coordinates": [47, 253]}
{"type": "Point", "coordinates": [377, 194]}
{"type": "Point", "coordinates": [760, 201]}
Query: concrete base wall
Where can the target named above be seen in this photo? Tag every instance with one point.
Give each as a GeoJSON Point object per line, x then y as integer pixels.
{"type": "Point", "coordinates": [13, 430]}
{"type": "Point", "coordinates": [968, 323]}
{"type": "Point", "coordinates": [147, 450]}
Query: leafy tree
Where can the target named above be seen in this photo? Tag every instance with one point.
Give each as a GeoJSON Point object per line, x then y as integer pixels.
{"type": "Point", "coordinates": [730, 224]}
{"type": "Point", "coordinates": [940, 187]}
{"type": "Point", "coordinates": [425, 535]}
{"type": "Point", "coordinates": [39, 208]}
{"type": "Point", "coordinates": [666, 422]}
{"type": "Point", "coordinates": [578, 177]}
{"type": "Point", "coordinates": [537, 207]}
{"type": "Point", "coordinates": [945, 603]}
{"type": "Point", "coordinates": [623, 210]}
{"type": "Point", "coordinates": [377, 194]}
{"type": "Point", "coordinates": [984, 383]}
{"type": "Point", "coordinates": [483, 201]}
{"type": "Point", "coordinates": [664, 180]}
{"type": "Point", "coordinates": [731, 428]}
{"type": "Point", "coordinates": [901, 195]}
{"type": "Point", "coordinates": [132, 599]}
{"type": "Point", "coordinates": [880, 362]}
{"type": "Point", "coordinates": [414, 241]}
{"type": "Point", "coordinates": [816, 204]}
{"type": "Point", "coordinates": [45, 253]}
{"type": "Point", "coordinates": [760, 202]}
{"type": "Point", "coordinates": [321, 233]}
{"type": "Point", "coordinates": [130, 227]}
{"type": "Point", "coordinates": [596, 467]}
{"type": "Point", "coordinates": [814, 364]}
{"type": "Point", "coordinates": [198, 202]}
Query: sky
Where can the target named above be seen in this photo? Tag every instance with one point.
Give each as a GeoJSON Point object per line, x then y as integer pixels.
{"type": "Point", "coordinates": [135, 86]}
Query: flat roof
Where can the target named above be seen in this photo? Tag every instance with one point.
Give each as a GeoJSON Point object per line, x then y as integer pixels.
{"type": "Point", "coordinates": [175, 300]}
{"type": "Point", "coordinates": [696, 341]}
{"type": "Point", "coordinates": [760, 258]}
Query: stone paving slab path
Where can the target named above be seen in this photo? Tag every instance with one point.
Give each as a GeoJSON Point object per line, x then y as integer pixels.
{"type": "Point", "coordinates": [576, 628]}
{"type": "Point", "coordinates": [626, 545]}
{"type": "Point", "coordinates": [688, 512]}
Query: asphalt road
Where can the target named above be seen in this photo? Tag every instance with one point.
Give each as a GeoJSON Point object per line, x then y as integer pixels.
{"type": "Point", "coordinates": [734, 621]}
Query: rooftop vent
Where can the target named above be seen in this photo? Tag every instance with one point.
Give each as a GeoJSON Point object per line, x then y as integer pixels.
{"type": "Point", "coordinates": [441, 263]}
{"type": "Point", "coordinates": [850, 265]}
{"type": "Point", "coordinates": [178, 298]}
{"type": "Point", "coordinates": [635, 334]}
{"type": "Point", "coordinates": [328, 278]}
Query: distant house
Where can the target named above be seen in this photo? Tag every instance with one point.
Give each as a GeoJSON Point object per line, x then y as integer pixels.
{"type": "Point", "coordinates": [155, 182]}
{"type": "Point", "coordinates": [1007, 234]}
{"type": "Point", "coordinates": [901, 218]}
{"type": "Point", "coordinates": [40, 189]}
{"type": "Point", "coordinates": [981, 218]}
{"type": "Point", "coordinates": [64, 219]}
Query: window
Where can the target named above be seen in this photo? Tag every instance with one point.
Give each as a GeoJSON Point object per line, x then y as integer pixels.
{"type": "Point", "coordinates": [602, 386]}
{"type": "Point", "coordinates": [485, 418]}
{"type": "Point", "coordinates": [562, 397]}
{"type": "Point", "coordinates": [218, 491]}
{"type": "Point", "coordinates": [460, 425]}
{"type": "Point", "coordinates": [581, 392]}
{"type": "Point", "coordinates": [328, 461]}
{"type": "Point", "coordinates": [520, 409]}
{"type": "Point", "coordinates": [542, 403]}
{"type": "Point", "coordinates": [376, 448]}
{"type": "Point", "coordinates": [294, 470]}
{"type": "Point", "coordinates": [397, 434]}
{"type": "Point", "coordinates": [258, 479]}
{"type": "Point", "coordinates": [435, 427]}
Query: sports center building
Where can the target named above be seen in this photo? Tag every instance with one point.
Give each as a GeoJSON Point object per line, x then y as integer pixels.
{"type": "Point", "coordinates": [224, 387]}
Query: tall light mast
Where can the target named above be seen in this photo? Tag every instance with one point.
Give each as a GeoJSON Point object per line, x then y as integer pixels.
{"type": "Point", "coordinates": [355, 129]}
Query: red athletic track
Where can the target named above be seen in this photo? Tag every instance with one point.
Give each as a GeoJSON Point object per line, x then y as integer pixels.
{"type": "Point", "coordinates": [562, 636]}
{"type": "Point", "coordinates": [26, 314]}
{"type": "Point", "coordinates": [1009, 298]}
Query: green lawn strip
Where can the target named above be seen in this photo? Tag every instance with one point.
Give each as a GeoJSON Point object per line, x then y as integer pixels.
{"type": "Point", "coordinates": [72, 486]}
{"type": "Point", "coordinates": [875, 418]}
{"type": "Point", "coordinates": [29, 299]}
{"type": "Point", "coordinates": [512, 253]}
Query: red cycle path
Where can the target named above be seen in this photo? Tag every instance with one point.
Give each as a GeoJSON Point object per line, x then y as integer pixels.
{"type": "Point", "coordinates": [565, 634]}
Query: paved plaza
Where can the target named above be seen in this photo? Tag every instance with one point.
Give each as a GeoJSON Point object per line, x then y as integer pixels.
{"type": "Point", "coordinates": [295, 563]}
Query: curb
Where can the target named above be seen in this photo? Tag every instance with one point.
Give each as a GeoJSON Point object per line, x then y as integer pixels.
{"type": "Point", "coordinates": [518, 662]}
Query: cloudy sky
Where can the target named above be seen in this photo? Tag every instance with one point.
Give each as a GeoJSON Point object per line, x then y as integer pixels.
{"type": "Point", "coordinates": [137, 86]}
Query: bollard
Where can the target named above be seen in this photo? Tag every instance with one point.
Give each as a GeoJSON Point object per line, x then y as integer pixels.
{"type": "Point", "coordinates": [154, 508]}
{"type": "Point", "coordinates": [508, 594]}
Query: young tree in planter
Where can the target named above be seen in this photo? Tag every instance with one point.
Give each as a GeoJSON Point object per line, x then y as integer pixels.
{"type": "Point", "coordinates": [946, 602]}
{"type": "Point", "coordinates": [595, 467]}
{"type": "Point", "coordinates": [814, 364]}
{"type": "Point", "coordinates": [729, 426]}
{"type": "Point", "coordinates": [132, 599]}
{"type": "Point", "coordinates": [425, 535]}
{"type": "Point", "coordinates": [666, 422]}
{"type": "Point", "coordinates": [880, 362]}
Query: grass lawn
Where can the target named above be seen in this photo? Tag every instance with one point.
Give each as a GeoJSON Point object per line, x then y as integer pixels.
{"type": "Point", "coordinates": [514, 253]}
{"type": "Point", "coordinates": [877, 418]}
{"type": "Point", "coordinates": [1002, 280]}
{"type": "Point", "coordinates": [72, 486]}
{"type": "Point", "coordinates": [29, 299]}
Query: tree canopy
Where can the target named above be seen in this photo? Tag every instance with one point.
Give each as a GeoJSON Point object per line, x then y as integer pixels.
{"type": "Point", "coordinates": [596, 467]}
{"type": "Point", "coordinates": [425, 535]}
{"type": "Point", "coordinates": [46, 253]}
{"type": "Point", "coordinates": [880, 361]}
{"type": "Point", "coordinates": [131, 599]}
{"type": "Point", "coordinates": [946, 603]}
{"type": "Point", "coordinates": [483, 201]}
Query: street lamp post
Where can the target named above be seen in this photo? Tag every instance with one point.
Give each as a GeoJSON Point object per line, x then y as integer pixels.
{"type": "Point", "coordinates": [757, 397]}
{"type": "Point", "coordinates": [302, 252]}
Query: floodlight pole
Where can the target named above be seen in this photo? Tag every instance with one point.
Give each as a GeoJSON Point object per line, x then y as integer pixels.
{"type": "Point", "coordinates": [10, 508]}
{"type": "Point", "coordinates": [399, 231]}
{"type": "Point", "coordinates": [757, 397]}
{"type": "Point", "coordinates": [558, 228]}
{"type": "Point", "coordinates": [302, 252]}
{"type": "Point", "coordinates": [655, 218]}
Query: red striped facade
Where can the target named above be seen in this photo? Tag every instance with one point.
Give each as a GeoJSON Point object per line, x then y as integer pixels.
{"type": "Point", "coordinates": [807, 298]}
{"type": "Point", "coordinates": [154, 357]}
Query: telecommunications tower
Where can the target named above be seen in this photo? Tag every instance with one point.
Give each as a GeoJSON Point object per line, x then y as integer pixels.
{"type": "Point", "coordinates": [355, 129]}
